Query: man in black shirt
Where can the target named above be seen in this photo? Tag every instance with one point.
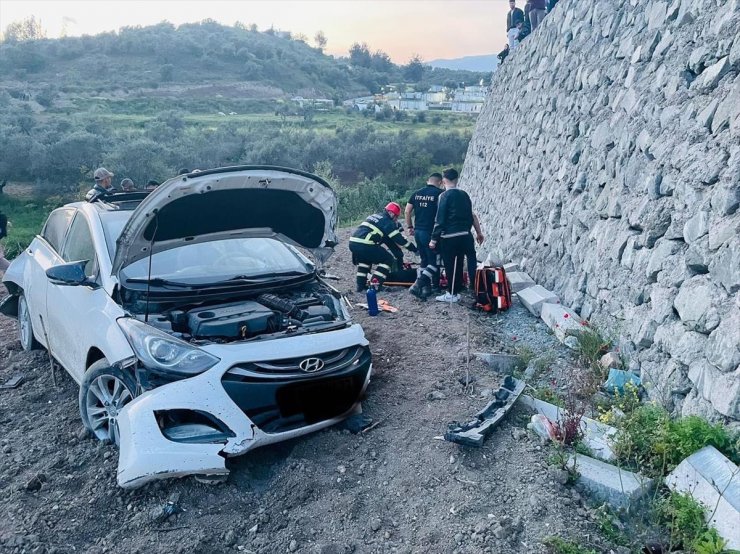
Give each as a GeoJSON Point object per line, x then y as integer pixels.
{"type": "Point", "coordinates": [423, 206]}
{"type": "Point", "coordinates": [366, 245]}
{"type": "Point", "coordinates": [451, 232]}
{"type": "Point", "coordinates": [514, 16]}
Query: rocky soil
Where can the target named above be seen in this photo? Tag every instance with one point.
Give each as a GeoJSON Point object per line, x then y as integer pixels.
{"type": "Point", "coordinates": [395, 488]}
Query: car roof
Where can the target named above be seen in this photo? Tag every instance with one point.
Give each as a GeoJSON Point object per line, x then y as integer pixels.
{"type": "Point", "coordinates": [118, 201]}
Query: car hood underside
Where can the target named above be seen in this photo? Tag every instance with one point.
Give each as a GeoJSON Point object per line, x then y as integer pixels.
{"type": "Point", "coordinates": [247, 201]}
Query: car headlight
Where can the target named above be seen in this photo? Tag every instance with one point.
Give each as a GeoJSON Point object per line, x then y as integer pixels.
{"type": "Point", "coordinates": [164, 353]}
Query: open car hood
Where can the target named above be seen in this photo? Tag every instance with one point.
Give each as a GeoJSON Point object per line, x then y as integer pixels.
{"type": "Point", "coordinates": [243, 201]}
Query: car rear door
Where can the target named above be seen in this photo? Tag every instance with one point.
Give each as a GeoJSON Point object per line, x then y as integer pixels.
{"type": "Point", "coordinates": [44, 253]}
{"type": "Point", "coordinates": [75, 312]}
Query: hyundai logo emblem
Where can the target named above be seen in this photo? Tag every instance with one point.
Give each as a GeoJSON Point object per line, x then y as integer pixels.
{"type": "Point", "coordinates": [311, 365]}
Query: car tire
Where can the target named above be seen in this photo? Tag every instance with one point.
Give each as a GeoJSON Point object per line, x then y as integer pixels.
{"type": "Point", "coordinates": [25, 326]}
{"type": "Point", "coordinates": [103, 392]}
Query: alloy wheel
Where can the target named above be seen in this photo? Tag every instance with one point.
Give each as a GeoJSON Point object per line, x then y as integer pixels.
{"type": "Point", "coordinates": [105, 398]}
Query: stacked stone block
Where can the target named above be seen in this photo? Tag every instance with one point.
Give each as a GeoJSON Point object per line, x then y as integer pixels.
{"type": "Point", "coordinates": [608, 157]}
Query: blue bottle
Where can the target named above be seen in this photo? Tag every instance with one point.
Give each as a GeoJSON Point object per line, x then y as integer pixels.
{"type": "Point", "coordinates": [372, 301]}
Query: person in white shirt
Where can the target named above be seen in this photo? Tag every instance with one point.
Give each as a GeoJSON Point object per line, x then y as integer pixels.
{"type": "Point", "coordinates": [513, 36]}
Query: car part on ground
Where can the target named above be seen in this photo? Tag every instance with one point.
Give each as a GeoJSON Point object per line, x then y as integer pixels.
{"type": "Point", "coordinates": [475, 431]}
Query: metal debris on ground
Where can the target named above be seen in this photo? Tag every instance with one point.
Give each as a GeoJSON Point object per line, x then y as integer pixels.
{"type": "Point", "coordinates": [475, 431]}
{"type": "Point", "coordinates": [357, 423]}
{"type": "Point", "coordinates": [169, 509]}
{"type": "Point", "coordinates": [13, 382]}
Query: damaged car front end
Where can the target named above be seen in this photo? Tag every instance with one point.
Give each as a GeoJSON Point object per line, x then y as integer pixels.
{"type": "Point", "coordinates": [226, 336]}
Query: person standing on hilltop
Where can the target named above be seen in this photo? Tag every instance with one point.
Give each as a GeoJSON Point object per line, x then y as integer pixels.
{"type": "Point", "coordinates": [537, 12]}
{"type": "Point", "coordinates": [514, 16]}
{"type": "Point", "coordinates": [451, 232]}
{"type": "Point", "coordinates": [103, 185]}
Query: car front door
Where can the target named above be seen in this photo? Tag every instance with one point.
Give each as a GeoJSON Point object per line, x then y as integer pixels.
{"type": "Point", "coordinates": [44, 253]}
{"type": "Point", "coordinates": [74, 312]}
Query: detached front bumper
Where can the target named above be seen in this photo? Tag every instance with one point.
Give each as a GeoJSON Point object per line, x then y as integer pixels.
{"type": "Point", "coordinates": [246, 411]}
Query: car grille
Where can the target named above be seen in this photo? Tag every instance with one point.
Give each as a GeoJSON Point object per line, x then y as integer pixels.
{"type": "Point", "coordinates": [336, 360]}
{"type": "Point", "coordinates": [291, 398]}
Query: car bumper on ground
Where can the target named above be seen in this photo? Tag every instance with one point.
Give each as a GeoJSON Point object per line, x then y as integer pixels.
{"type": "Point", "coordinates": [238, 406]}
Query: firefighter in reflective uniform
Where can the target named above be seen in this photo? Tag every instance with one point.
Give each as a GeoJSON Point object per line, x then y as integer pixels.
{"type": "Point", "coordinates": [366, 245]}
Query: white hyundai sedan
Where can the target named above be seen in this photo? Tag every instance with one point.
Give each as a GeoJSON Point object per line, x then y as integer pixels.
{"type": "Point", "coordinates": [196, 329]}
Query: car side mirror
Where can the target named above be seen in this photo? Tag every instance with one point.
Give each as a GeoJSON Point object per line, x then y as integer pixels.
{"type": "Point", "coordinates": [71, 275]}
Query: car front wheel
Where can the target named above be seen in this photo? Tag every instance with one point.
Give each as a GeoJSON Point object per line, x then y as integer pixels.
{"type": "Point", "coordinates": [25, 327]}
{"type": "Point", "coordinates": [104, 392]}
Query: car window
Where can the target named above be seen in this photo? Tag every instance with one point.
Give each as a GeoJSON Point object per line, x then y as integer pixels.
{"type": "Point", "coordinates": [56, 227]}
{"type": "Point", "coordinates": [113, 224]}
{"type": "Point", "coordinates": [79, 245]}
{"type": "Point", "coordinates": [221, 259]}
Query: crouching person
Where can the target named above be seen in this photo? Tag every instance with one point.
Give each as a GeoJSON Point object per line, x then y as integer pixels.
{"type": "Point", "coordinates": [366, 245]}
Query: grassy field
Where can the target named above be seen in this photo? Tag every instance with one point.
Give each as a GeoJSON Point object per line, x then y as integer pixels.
{"type": "Point", "coordinates": [321, 122]}
{"type": "Point", "coordinates": [25, 220]}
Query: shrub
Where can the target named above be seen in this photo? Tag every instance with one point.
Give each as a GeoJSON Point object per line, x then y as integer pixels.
{"type": "Point", "coordinates": [651, 441]}
{"type": "Point", "coordinates": [683, 518]}
{"type": "Point", "coordinates": [562, 546]}
{"type": "Point", "coordinates": [592, 346]}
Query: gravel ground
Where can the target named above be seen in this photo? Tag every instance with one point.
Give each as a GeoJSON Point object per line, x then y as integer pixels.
{"type": "Point", "coordinates": [394, 488]}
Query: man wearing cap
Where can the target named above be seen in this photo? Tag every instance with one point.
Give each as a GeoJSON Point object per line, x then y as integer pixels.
{"type": "Point", "coordinates": [366, 245]}
{"type": "Point", "coordinates": [103, 185]}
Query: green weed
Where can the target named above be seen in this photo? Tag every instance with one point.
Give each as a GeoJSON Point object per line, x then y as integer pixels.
{"type": "Point", "coordinates": [558, 545]}
{"type": "Point", "coordinates": [592, 346]}
{"type": "Point", "coordinates": [610, 530]}
{"type": "Point", "coordinates": [650, 440]}
{"type": "Point", "coordinates": [548, 395]}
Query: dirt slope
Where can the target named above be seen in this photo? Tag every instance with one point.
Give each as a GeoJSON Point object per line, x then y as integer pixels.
{"type": "Point", "coordinates": [396, 488]}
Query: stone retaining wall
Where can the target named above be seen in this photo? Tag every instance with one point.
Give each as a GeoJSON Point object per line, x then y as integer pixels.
{"type": "Point", "coordinates": [607, 162]}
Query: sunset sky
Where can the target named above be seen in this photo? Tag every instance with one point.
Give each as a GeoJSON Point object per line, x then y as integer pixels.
{"type": "Point", "coordinates": [402, 28]}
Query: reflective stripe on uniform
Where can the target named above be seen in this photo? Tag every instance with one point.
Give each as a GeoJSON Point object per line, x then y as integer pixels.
{"type": "Point", "coordinates": [394, 233]}
{"type": "Point", "coordinates": [382, 271]}
{"type": "Point", "coordinates": [362, 240]}
{"type": "Point", "coordinates": [429, 272]}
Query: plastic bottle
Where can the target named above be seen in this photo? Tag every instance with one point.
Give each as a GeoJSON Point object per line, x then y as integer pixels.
{"type": "Point", "coordinates": [372, 301]}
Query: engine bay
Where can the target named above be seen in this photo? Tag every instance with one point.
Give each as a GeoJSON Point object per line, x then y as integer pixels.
{"type": "Point", "coordinates": [262, 316]}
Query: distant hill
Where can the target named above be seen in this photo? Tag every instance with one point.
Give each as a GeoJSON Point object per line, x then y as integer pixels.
{"type": "Point", "coordinates": [196, 60]}
{"type": "Point", "coordinates": [486, 62]}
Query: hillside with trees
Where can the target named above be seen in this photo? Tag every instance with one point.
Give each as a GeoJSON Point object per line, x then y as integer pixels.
{"type": "Point", "coordinates": [256, 64]}
{"type": "Point", "coordinates": [145, 102]}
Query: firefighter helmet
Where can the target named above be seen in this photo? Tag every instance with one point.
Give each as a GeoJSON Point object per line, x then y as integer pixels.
{"type": "Point", "coordinates": [394, 208]}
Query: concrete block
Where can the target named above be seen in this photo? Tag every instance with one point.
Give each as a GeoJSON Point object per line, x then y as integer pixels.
{"type": "Point", "coordinates": [519, 280]}
{"type": "Point", "coordinates": [713, 480]}
{"type": "Point", "coordinates": [511, 267]}
{"type": "Point", "coordinates": [534, 297]}
{"type": "Point", "coordinates": [598, 436]}
{"type": "Point", "coordinates": [503, 363]}
{"type": "Point", "coordinates": [610, 360]}
{"type": "Point", "coordinates": [563, 322]}
{"type": "Point", "coordinates": [619, 488]}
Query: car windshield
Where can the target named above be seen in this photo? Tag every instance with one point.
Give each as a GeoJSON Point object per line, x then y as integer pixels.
{"type": "Point", "coordinates": [112, 226]}
{"type": "Point", "coordinates": [220, 260]}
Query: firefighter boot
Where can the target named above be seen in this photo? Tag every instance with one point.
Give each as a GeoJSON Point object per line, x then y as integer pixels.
{"type": "Point", "coordinates": [362, 271]}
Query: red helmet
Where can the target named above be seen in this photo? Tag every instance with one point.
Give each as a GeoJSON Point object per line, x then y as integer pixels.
{"type": "Point", "coordinates": [394, 208]}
